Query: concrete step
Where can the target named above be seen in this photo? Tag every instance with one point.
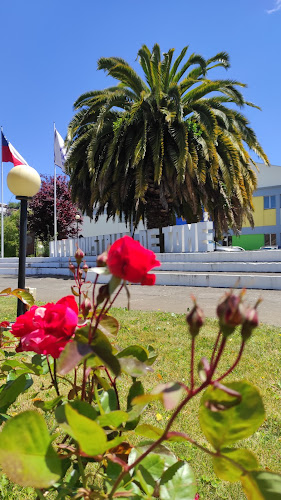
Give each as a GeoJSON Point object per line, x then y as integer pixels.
{"type": "Point", "coordinates": [215, 280]}
{"type": "Point", "coordinates": [248, 256]}
{"type": "Point", "coordinates": [220, 280]}
{"type": "Point", "coordinates": [220, 267]}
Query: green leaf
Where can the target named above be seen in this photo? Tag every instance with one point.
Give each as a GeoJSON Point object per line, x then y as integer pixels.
{"type": "Point", "coordinates": [113, 419]}
{"type": "Point", "coordinates": [170, 395]}
{"type": "Point", "coordinates": [90, 436]}
{"type": "Point", "coordinates": [155, 464]}
{"type": "Point", "coordinates": [135, 411]}
{"type": "Point", "coordinates": [149, 431]}
{"type": "Point", "coordinates": [133, 367]}
{"type": "Point", "coordinates": [82, 407]}
{"type": "Point", "coordinates": [47, 405]}
{"type": "Point", "coordinates": [146, 480]}
{"type": "Point", "coordinates": [178, 483]}
{"type": "Point", "coordinates": [108, 401]}
{"type": "Point", "coordinates": [11, 391]}
{"type": "Point", "coordinates": [71, 356]}
{"type": "Point", "coordinates": [23, 295]}
{"type": "Point", "coordinates": [103, 349]}
{"type": "Point", "coordinates": [227, 471]}
{"type": "Point", "coordinates": [137, 351]}
{"type": "Point", "coordinates": [262, 485]}
{"type": "Point", "coordinates": [113, 284]}
{"type": "Point", "coordinates": [109, 325]}
{"type": "Point", "coordinates": [100, 270]}
{"type": "Point", "coordinates": [226, 426]}
{"type": "Point", "coordinates": [162, 451]}
{"type": "Point", "coordinates": [26, 454]}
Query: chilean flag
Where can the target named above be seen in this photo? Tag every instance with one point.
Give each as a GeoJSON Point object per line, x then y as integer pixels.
{"type": "Point", "coordinates": [9, 153]}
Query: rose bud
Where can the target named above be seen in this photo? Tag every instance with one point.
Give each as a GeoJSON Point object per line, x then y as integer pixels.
{"type": "Point", "coordinates": [195, 320]}
{"type": "Point", "coordinates": [230, 312]}
{"type": "Point", "coordinates": [251, 322]}
{"type": "Point", "coordinates": [71, 267]}
{"type": "Point", "coordinates": [79, 255]}
{"type": "Point", "coordinates": [102, 259]}
{"type": "Point", "coordinates": [85, 267]}
{"type": "Point", "coordinates": [86, 307]}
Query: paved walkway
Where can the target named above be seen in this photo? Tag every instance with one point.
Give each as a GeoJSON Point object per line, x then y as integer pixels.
{"type": "Point", "coordinates": [158, 298]}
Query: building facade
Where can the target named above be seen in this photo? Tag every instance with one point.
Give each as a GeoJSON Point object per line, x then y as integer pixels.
{"type": "Point", "coordinates": [267, 207]}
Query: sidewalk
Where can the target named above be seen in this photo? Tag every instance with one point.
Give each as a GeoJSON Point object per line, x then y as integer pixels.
{"type": "Point", "coordinates": [159, 298]}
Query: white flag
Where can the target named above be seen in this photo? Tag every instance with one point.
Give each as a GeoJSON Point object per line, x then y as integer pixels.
{"type": "Point", "coordinates": [59, 150]}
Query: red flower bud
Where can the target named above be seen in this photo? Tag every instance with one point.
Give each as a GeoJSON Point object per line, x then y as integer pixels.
{"type": "Point", "coordinates": [86, 307]}
{"type": "Point", "coordinates": [102, 259]}
{"type": "Point", "coordinates": [85, 267]}
{"type": "Point", "coordinates": [230, 312]}
{"type": "Point", "coordinates": [4, 324]}
{"type": "Point", "coordinates": [79, 255]}
{"type": "Point", "coordinates": [251, 322]}
{"type": "Point", "coordinates": [71, 267]}
{"type": "Point", "coordinates": [195, 320]}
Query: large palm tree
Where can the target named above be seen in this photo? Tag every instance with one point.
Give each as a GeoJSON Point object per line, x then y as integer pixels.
{"type": "Point", "coordinates": [172, 144]}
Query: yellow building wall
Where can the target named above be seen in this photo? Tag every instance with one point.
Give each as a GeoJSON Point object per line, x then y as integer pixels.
{"type": "Point", "coordinates": [262, 217]}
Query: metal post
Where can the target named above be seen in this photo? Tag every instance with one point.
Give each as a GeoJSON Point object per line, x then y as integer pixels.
{"type": "Point", "coordinates": [22, 252]}
{"type": "Point", "coordinates": [2, 202]}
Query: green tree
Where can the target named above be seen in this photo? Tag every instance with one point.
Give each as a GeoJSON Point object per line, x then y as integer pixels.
{"type": "Point", "coordinates": [11, 234]}
{"type": "Point", "coordinates": [170, 144]}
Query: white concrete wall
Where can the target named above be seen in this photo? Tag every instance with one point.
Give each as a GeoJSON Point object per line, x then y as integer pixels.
{"type": "Point", "coordinates": [177, 239]}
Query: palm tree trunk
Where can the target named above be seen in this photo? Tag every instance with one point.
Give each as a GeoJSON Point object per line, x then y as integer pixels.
{"type": "Point", "coordinates": [157, 215]}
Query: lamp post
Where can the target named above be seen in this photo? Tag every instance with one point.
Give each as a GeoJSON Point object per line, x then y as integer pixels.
{"type": "Point", "coordinates": [24, 182]}
{"type": "Point", "coordinates": [77, 217]}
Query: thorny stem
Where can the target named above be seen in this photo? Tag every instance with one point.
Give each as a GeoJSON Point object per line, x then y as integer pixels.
{"type": "Point", "coordinates": [81, 469]}
{"type": "Point", "coordinates": [113, 383]}
{"type": "Point", "coordinates": [39, 494]}
{"type": "Point", "coordinates": [221, 348]}
{"type": "Point", "coordinates": [234, 364]}
{"type": "Point", "coordinates": [53, 379]}
{"type": "Point", "coordinates": [113, 300]}
{"type": "Point", "coordinates": [215, 347]}
{"type": "Point", "coordinates": [84, 381]}
{"type": "Point", "coordinates": [159, 441]}
{"type": "Point", "coordinates": [75, 379]}
{"type": "Point", "coordinates": [192, 364]}
{"type": "Point", "coordinates": [209, 452]}
{"type": "Point", "coordinates": [92, 330]}
{"type": "Point", "coordinates": [94, 290]}
{"type": "Point", "coordinates": [193, 392]}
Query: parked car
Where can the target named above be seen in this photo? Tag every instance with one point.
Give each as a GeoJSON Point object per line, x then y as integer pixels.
{"type": "Point", "coordinates": [221, 248]}
{"type": "Point", "coordinates": [272, 247]}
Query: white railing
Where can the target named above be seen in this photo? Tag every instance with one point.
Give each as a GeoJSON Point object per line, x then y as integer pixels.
{"type": "Point", "coordinates": [177, 239]}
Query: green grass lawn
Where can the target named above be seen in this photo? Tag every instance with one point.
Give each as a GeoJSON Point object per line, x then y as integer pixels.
{"type": "Point", "coordinates": [167, 332]}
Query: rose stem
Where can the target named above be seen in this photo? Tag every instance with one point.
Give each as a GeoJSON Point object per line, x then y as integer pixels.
{"type": "Point", "coordinates": [234, 364]}
{"type": "Point", "coordinates": [215, 348]}
{"type": "Point", "coordinates": [192, 364]}
{"type": "Point", "coordinates": [113, 300]}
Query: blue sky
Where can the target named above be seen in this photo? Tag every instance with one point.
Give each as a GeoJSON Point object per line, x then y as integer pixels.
{"type": "Point", "coordinates": [50, 48]}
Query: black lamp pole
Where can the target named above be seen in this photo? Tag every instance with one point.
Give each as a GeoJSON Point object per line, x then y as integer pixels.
{"type": "Point", "coordinates": [22, 251]}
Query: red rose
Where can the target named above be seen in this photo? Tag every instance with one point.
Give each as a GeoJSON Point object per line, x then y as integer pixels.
{"type": "Point", "coordinates": [129, 260]}
{"type": "Point", "coordinates": [47, 329]}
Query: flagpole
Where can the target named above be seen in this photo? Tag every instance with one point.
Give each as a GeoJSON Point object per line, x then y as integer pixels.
{"type": "Point", "coordinates": [2, 202]}
{"type": "Point", "coordinates": [55, 201]}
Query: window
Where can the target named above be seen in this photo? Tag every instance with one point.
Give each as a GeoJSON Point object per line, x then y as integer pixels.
{"type": "Point", "coordinates": [269, 240]}
{"type": "Point", "coordinates": [269, 202]}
